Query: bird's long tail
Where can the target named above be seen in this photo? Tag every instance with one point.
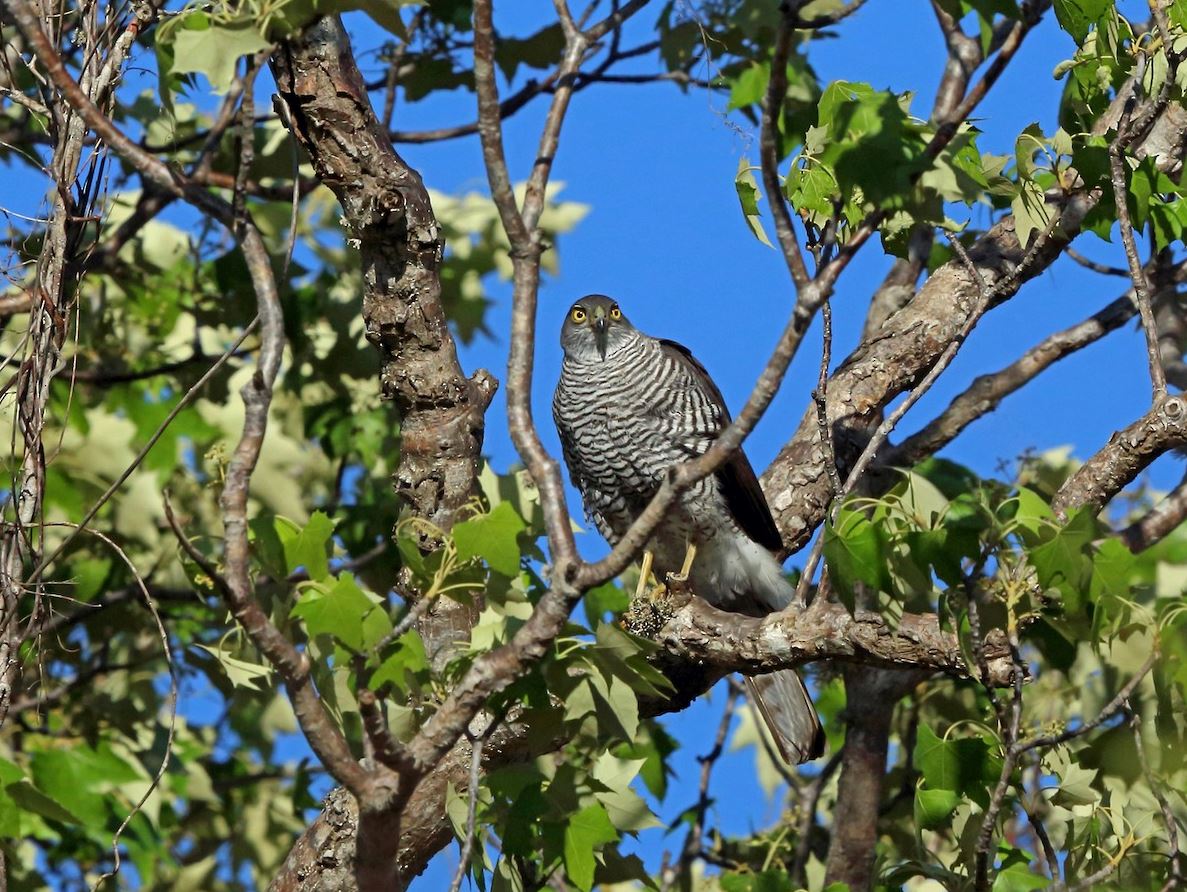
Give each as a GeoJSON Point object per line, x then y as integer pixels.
{"type": "Point", "coordinates": [785, 706]}
{"type": "Point", "coordinates": [780, 697]}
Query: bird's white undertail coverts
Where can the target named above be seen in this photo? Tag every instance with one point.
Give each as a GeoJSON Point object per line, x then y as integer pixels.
{"type": "Point", "coordinates": [628, 407]}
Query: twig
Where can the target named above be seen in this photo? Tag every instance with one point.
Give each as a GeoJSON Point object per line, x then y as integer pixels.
{"type": "Point", "coordinates": [1177, 877]}
{"type": "Point", "coordinates": [820, 398]}
{"type": "Point", "coordinates": [1141, 285]}
{"type": "Point", "coordinates": [526, 248]}
{"type": "Point", "coordinates": [1089, 263]}
{"type": "Point", "coordinates": [476, 744]}
{"type": "Point", "coordinates": [769, 151]}
{"type": "Point", "coordinates": [693, 841]}
{"type": "Point", "coordinates": [407, 621]}
{"type": "Point", "coordinates": [1050, 859]}
{"type": "Point", "coordinates": [1010, 729]}
{"type": "Point", "coordinates": [810, 799]}
{"type": "Point", "coordinates": [1114, 706]}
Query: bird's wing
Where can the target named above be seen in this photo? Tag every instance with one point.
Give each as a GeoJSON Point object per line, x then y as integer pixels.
{"type": "Point", "coordinates": [736, 477]}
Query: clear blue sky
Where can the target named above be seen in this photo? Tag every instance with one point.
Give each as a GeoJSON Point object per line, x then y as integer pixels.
{"type": "Point", "coordinates": [666, 238]}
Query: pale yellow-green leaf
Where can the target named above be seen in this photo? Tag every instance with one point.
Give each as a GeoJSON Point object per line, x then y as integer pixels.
{"type": "Point", "coordinates": [215, 50]}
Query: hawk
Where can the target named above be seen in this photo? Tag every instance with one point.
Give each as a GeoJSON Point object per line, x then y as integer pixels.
{"type": "Point", "coordinates": [628, 407]}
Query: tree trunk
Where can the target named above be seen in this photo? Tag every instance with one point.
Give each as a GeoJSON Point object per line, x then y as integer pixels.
{"type": "Point", "coordinates": [871, 696]}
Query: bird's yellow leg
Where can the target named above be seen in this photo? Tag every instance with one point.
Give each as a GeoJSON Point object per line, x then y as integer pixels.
{"type": "Point", "coordinates": [686, 568]}
{"type": "Point", "coordinates": [644, 573]}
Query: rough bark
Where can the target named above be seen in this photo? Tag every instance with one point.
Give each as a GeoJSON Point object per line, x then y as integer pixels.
{"type": "Point", "coordinates": [386, 208]}
{"type": "Point", "coordinates": [691, 630]}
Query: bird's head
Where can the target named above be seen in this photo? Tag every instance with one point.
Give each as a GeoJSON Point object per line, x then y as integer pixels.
{"type": "Point", "coordinates": [594, 327]}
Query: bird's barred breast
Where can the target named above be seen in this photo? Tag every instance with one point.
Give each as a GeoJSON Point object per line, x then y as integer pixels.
{"type": "Point", "coordinates": [624, 421]}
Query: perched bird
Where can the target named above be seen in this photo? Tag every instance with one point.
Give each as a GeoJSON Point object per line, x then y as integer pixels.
{"type": "Point", "coordinates": [628, 407]}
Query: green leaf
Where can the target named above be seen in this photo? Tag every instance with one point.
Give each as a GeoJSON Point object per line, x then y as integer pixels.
{"type": "Point", "coordinates": [28, 797]}
{"type": "Point", "coordinates": [764, 881]}
{"type": "Point", "coordinates": [933, 807]}
{"type": "Point", "coordinates": [492, 537]}
{"type": "Point", "coordinates": [748, 196]}
{"type": "Point", "coordinates": [603, 599]}
{"type": "Point", "coordinates": [585, 832]}
{"type": "Point", "coordinates": [1032, 513]}
{"type": "Point", "coordinates": [1112, 569]}
{"type": "Point", "coordinates": [10, 815]}
{"type": "Point", "coordinates": [203, 47]}
{"type": "Point", "coordinates": [1077, 16]}
{"type": "Point", "coordinates": [241, 673]}
{"type": "Point", "coordinates": [749, 86]}
{"type": "Point", "coordinates": [873, 145]}
{"type": "Point", "coordinates": [310, 547]}
{"type": "Point", "coordinates": [855, 553]}
{"type": "Point", "coordinates": [345, 612]}
{"type": "Point", "coordinates": [1061, 562]}
{"type": "Point", "coordinates": [409, 657]}
{"type": "Point", "coordinates": [963, 765]}
{"type": "Point", "coordinates": [1018, 878]}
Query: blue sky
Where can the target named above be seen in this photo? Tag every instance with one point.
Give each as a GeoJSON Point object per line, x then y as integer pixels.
{"type": "Point", "coordinates": [666, 238]}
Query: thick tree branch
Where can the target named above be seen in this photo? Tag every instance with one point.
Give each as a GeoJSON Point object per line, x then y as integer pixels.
{"type": "Point", "coordinates": [1127, 454]}
{"type": "Point", "coordinates": [1159, 522]}
{"type": "Point", "coordinates": [387, 208]}
{"type": "Point", "coordinates": [691, 629]}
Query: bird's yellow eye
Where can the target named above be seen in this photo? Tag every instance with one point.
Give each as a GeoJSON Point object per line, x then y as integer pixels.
{"type": "Point", "coordinates": [578, 314]}
{"type": "Point", "coordinates": [615, 313]}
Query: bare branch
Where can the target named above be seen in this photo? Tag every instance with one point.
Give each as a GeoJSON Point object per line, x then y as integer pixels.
{"type": "Point", "coordinates": [172, 701]}
{"type": "Point", "coordinates": [1114, 706]}
{"type": "Point", "coordinates": [1089, 263]}
{"type": "Point", "coordinates": [694, 840]}
{"type": "Point", "coordinates": [1137, 272]}
{"type": "Point", "coordinates": [1128, 452]}
{"type": "Point", "coordinates": [769, 151]}
{"type": "Point", "coordinates": [1159, 522]}
{"type": "Point", "coordinates": [987, 391]}
{"type": "Point", "coordinates": [476, 743]}
{"type": "Point", "coordinates": [1177, 875]}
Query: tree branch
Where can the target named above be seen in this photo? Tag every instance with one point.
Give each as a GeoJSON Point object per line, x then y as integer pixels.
{"type": "Point", "coordinates": [1128, 452]}
{"type": "Point", "coordinates": [987, 391]}
{"type": "Point", "coordinates": [692, 630]}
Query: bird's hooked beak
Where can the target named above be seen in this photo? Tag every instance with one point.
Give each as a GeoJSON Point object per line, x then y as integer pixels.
{"type": "Point", "coordinates": [600, 324]}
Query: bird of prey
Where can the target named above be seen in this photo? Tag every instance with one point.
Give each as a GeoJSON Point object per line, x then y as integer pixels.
{"type": "Point", "coordinates": [628, 407]}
